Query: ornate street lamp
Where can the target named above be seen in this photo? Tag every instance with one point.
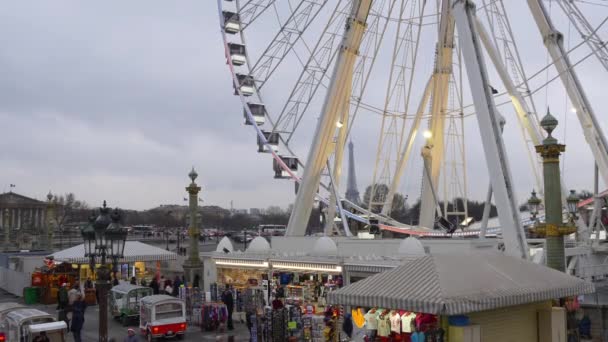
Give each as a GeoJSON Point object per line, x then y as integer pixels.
{"type": "Point", "coordinates": [103, 237]}
{"type": "Point", "coordinates": [533, 205]}
{"type": "Point", "coordinates": [116, 238]}
{"type": "Point", "coordinates": [572, 201]}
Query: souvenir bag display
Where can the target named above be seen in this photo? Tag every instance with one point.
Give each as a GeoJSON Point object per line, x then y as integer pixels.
{"type": "Point", "coordinates": [279, 325]}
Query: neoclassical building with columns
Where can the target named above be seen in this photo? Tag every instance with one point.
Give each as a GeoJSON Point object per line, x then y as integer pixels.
{"type": "Point", "coordinates": [22, 221]}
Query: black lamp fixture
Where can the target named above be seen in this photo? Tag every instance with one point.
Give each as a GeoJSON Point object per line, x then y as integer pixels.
{"type": "Point", "coordinates": [533, 205]}
{"type": "Point", "coordinates": [572, 201]}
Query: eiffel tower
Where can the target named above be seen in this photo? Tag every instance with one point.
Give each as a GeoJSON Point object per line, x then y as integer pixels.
{"type": "Point", "coordinates": [352, 193]}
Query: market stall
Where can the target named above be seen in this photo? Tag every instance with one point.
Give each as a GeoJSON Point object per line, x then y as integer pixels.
{"type": "Point", "coordinates": [461, 295]}
{"type": "Point", "coordinates": [70, 265]}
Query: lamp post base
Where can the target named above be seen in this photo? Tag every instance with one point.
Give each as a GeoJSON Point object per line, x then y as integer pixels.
{"type": "Point", "coordinates": [103, 286]}
{"type": "Point", "coordinates": [191, 270]}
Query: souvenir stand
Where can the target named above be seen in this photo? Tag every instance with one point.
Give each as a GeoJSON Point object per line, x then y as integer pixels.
{"type": "Point", "coordinates": [50, 277]}
{"type": "Point", "coordinates": [428, 301]}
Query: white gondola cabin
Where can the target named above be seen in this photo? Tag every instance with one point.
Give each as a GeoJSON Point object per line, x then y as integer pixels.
{"type": "Point", "coordinates": [259, 114]}
{"type": "Point", "coordinates": [246, 85]}
{"type": "Point", "coordinates": [292, 164]}
{"type": "Point", "coordinates": [273, 140]}
{"type": "Point", "coordinates": [232, 22]}
{"type": "Point", "coordinates": [237, 52]}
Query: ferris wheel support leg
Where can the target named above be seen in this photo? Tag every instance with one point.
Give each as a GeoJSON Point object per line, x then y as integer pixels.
{"type": "Point", "coordinates": [343, 217]}
{"type": "Point", "coordinates": [490, 130]}
{"type": "Point", "coordinates": [405, 155]}
{"type": "Point", "coordinates": [326, 126]}
{"type": "Point", "coordinates": [334, 198]}
{"type": "Point", "coordinates": [440, 93]}
{"type": "Point", "coordinates": [592, 131]}
{"type": "Point", "coordinates": [521, 107]}
{"type": "Point", "coordinates": [486, 213]}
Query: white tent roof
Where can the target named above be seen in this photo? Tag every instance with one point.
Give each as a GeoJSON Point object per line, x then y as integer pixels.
{"type": "Point", "coordinates": [453, 284]}
{"type": "Point", "coordinates": [134, 251]}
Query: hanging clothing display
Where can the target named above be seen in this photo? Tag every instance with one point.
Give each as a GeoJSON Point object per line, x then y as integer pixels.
{"type": "Point", "coordinates": [395, 322]}
{"type": "Point", "coordinates": [371, 320]}
{"type": "Point", "coordinates": [408, 322]}
{"type": "Point", "coordinates": [212, 314]}
{"type": "Point", "coordinates": [384, 325]}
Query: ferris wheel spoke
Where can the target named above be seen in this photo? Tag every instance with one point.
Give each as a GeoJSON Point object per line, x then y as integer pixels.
{"type": "Point", "coordinates": [250, 10]}
{"type": "Point", "coordinates": [397, 97]}
{"type": "Point", "coordinates": [505, 56]}
{"type": "Point", "coordinates": [313, 72]}
{"type": "Point", "coordinates": [372, 42]}
{"type": "Point", "coordinates": [285, 39]}
{"type": "Point", "coordinates": [378, 21]}
{"type": "Point", "coordinates": [586, 30]}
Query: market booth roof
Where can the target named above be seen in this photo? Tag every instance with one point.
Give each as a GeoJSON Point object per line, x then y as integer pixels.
{"type": "Point", "coordinates": [450, 284]}
{"type": "Point", "coordinates": [134, 251]}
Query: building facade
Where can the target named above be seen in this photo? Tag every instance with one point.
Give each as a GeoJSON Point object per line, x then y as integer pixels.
{"type": "Point", "coordinates": [22, 220]}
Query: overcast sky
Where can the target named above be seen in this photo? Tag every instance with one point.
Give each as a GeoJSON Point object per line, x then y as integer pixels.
{"type": "Point", "coordinates": [118, 100]}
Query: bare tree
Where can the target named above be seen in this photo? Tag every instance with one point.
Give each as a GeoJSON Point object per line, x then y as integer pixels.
{"type": "Point", "coordinates": [65, 207]}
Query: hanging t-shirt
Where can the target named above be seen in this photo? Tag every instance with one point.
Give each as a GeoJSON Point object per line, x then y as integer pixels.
{"type": "Point", "coordinates": [417, 337]}
{"type": "Point", "coordinates": [384, 326]}
{"type": "Point", "coordinates": [406, 322]}
{"type": "Point", "coordinates": [371, 321]}
{"type": "Point", "coordinates": [395, 323]}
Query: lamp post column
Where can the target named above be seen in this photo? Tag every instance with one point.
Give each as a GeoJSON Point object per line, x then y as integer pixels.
{"type": "Point", "coordinates": [554, 228]}
{"type": "Point", "coordinates": [47, 239]}
{"type": "Point", "coordinates": [103, 285]}
{"type": "Point", "coordinates": [192, 265]}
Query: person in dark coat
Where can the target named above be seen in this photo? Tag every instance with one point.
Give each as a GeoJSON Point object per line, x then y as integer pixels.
{"type": "Point", "coordinates": [133, 281]}
{"type": "Point", "coordinates": [155, 286]}
{"type": "Point", "coordinates": [228, 299]}
{"type": "Point", "coordinates": [177, 282]}
{"type": "Point", "coordinates": [78, 308]}
{"type": "Point", "coordinates": [347, 325]}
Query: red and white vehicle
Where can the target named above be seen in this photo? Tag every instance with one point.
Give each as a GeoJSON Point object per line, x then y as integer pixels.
{"type": "Point", "coordinates": [162, 316]}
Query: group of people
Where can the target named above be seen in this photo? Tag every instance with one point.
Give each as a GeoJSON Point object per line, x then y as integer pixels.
{"type": "Point", "coordinates": [71, 307]}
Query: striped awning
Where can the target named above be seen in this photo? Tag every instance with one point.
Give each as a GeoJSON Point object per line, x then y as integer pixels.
{"type": "Point", "coordinates": [456, 284]}
{"type": "Point", "coordinates": [134, 251]}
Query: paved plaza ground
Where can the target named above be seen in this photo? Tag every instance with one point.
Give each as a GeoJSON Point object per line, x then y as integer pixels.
{"type": "Point", "coordinates": [115, 329]}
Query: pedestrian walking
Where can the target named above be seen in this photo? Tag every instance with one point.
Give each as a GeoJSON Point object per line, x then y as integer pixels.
{"type": "Point", "coordinates": [131, 336]}
{"type": "Point", "coordinates": [154, 285]}
{"type": "Point", "coordinates": [88, 284]}
{"type": "Point", "coordinates": [228, 299]}
{"type": "Point", "coordinates": [162, 282]}
{"type": "Point", "coordinates": [62, 297]}
{"type": "Point", "coordinates": [177, 282]}
{"type": "Point", "coordinates": [73, 293]}
{"type": "Point", "coordinates": [78, 309]}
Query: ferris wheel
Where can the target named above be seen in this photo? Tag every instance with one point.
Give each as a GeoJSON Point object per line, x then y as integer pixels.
{"type": "Point", "coordinates": [410, 74]}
